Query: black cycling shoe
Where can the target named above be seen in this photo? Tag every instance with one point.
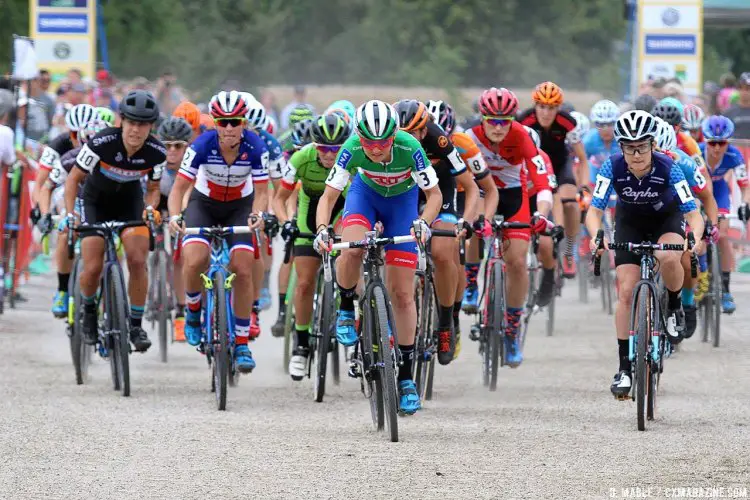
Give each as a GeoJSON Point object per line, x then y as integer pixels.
{"type": "Point", "coordinates": [691, 320]}
{"type": "Point", "coordinates": [90, 327]}
{"type": "Point", "coordinates": [546, 288]}
{"type": "Point", "coordinates": [139, 338]}
{"type": "Point", "coordinates": [446, 345]}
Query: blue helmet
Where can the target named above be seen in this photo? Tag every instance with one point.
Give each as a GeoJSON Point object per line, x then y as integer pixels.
{"type": "Point", "coordinates": [717, 128]}
{"type": "Point", "coordinates": [344, 105]}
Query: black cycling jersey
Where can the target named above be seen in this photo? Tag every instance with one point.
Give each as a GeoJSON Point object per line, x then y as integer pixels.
{"type": "Point", "coordinates": [105, 158]}
{"type": "Point", "coordinates": [446, 161]}
{"type": "Point", "coordinates": [53, 151]}
{"type": "Point", "coordinates": [553, 139]}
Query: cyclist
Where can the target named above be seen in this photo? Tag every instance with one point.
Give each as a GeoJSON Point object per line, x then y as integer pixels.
{"type": "Point", "coordinates": [692, 119]}
{"type": "Point", "coordinates": [670, 109]}
{"type": "Point", "coordinates": [553, 125]}
{"type": "Point", "coordinates": [645, 102]}
{"type": "Point", "coordinates": [76, 119]}
{"type": "Point", "coordinates": [345, 108]}
{"type": "Point", "coordinates": [512, 158]}
{"type": "Point", "coordinates": [175, 134]}
{"type": "Point", "coordinates": [722, 158]}
{"type": "Point", "coordinates": [206, 123]}
{"type": "Point", "coordinates": [191, 114]}
{"type": "Point", "coordinates": [112, 164]}
{"type": "Point", "coordinates": [666, 142]}
{"type": "Point", "coordinates": [229, 167]}
{"type": "Point", "coordinates": [653, 196]}
{"type": "Point", "coordinates": [444, 116]}
{"type": "Point", "coordinates": [294, 138]}
{"type": "Point", "coordinates": [599, 142]}
{"type": "Point", "coordinates": [388, 164]}
{"type": "Point", "coordinates": [415, 119]}
{"type": "Point", "coordinates": [309, 166]}
{"type": "Point", "coordinates": [106, 115]}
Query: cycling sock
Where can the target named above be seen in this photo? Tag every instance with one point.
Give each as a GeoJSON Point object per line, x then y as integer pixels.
{"type": "Point", "coordinates": [193, 301]}
{"type": "Point", "coordinates": [282, 305]}
{"type": "Point", "coordinates": [472, 270]}
{"type": "Point", "coordinates": [548, 274]}
{"type": "Point", "coordinates": [62, 282]}
{"type": "Point", "coordinates": [703, 262]}
{"type": "Point", "coordinates": [512, 320]}
{"type": "Point", "coordinates": [347, 298]}
{"type": "Point", "coordinates": [407, 356]}
{"type": "Point", "coordinates": [179, 311]}
{"type": "Point", "coordinates": [303, 335]}
{"type": "Point", "coordinates": [673, 300]}
{"type": "Point", "coordinates": [725, 282]}
{"type": "Point", "coordinates": [136, 315]}
{"type": "Point", "coordinates": [623, 347]}
{"type": "Point", "coordinates": [688, 297]}
{"type": "Point", "coordinates": [256, 307]}
{"type": "Point", "coordinates": [241, 330]}
{"type": "Point", "coordinates": [445, 317]}
{"type": "Point", "coordinates": [456, 313]}
{"type": "Point", "coordinates": [570, 244]}
{"type": "Point", "coordinates": [89, 303]}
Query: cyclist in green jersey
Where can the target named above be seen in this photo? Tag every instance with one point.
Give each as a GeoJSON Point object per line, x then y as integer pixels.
{"type": "Point", "coordinates": [298, 133]}
{"type": "Point", "coordinates": [310, 167]}
{"type": "Point", "coordinates": [389, 165]}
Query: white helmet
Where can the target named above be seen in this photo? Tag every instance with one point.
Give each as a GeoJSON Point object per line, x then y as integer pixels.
{"type": "Point", "coordinates": [635, 125]}
{"type": "Point", "coordinates": [228, 105]}
{"type": "Point", "coordinates": [666, 138]}
{"type": "Point", "coordinates": [604, 112]}
{"type": "Point", "coordinates": [582, 126]}
{"type": "Point", "coordinates": [79, 115]}
{"type": "Point", "coordinates": [376, 120]}
{"type": "Point", "coordinates": [92, 128]}
{"type": "Point", "coordinates": [256, 115]}
{"type": "Point", "coordinates": [534, 136]}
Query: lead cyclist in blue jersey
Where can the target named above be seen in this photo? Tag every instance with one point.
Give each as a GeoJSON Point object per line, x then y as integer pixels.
{"type": "Point", "coordinates": [723, 160]}
{"type": "Point", "coordinates": [653, 197]}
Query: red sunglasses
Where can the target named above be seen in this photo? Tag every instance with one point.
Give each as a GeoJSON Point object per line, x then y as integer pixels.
{"type": "Point", "coordinates": [225, 122]}
{"type": "Point", "coordinates": [501, 121]}
{"type": "Point", "coordinates": [377, 143]}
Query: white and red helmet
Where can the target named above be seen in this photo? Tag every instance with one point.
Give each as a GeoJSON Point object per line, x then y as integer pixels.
{"type": "Point", "coordinates": [230, 104]}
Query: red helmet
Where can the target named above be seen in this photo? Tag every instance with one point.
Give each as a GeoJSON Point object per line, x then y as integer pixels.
{"type": "Point", "coordinates": [228, 105]}
{"type": "Point", "coordinates": [498, 102]}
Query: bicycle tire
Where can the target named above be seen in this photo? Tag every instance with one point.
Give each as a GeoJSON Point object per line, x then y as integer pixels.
{"type": "Point", "coordinates": [289, 319]}
{"type": "Point", "coordinates": [419, 354]}
{"type": "Point", "coordinates": [717, 294]}
{"type": "Point", "coordinates": [641, 361]}
{"type": "Point", "coordinates": [706, 302]}
{"type": "Point", "coordinates": [79, 351]}
{"type": "Point", "coordinates": [388, 369]}
{"type": "Point", "coordinates": [487, 321]}
{"type": "Point", "coordinates": [162, 301]}
{"type": "Point", "coordinates": [497, 332]}
{"type": "Point", "coordinates": [583, 282]}
{"type": "Point", "coordinates": [121, 328]}
{"type": "Point", "coordinates": [430, 320]}
{"type": "Point", "coordinates": [370, 375]}
{"type": "Point", "coordinates": [531, 297]}
{"type": "Point", "coordinates": [325, 325]}
{"type": "Point", "coordinates": [606, 285]}
{"type": "Point", "coordinates": [220, 342]}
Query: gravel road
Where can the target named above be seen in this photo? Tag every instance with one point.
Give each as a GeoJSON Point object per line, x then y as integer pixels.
{"type": "Point", "coordinates": [552, 429]}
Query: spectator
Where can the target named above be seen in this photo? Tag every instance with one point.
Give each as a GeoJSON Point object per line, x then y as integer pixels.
{"type": "Point", "coordinates": [45, 79]}
{"type": "Point", "coordinates": [168, 93]}
{"type": "Point", "coordinates": [268, 100]}
{"type": "Point", "coordinates": [75, 76]}
{"type": "Point", "coordinates": [300, 94]}
{"type": "Point", "coordinates": [728, 84]}
{"type": "Point", "coordinates": [740, 112]}
{"type": "Point", "coordinates": [673, 88]}
{"type": "Point", "coordinates": [32, 111]}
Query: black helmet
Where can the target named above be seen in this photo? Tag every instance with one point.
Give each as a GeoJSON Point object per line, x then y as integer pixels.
{"type": "Point", "coordinates": [301, 133]}
{"type": "Point", "coordinates": [412, 114]}
{"type": "Point", "coordinates": [139, 106]}
{"type": "Point", "coordinates": [644, 102]}
{"type": "Point", "coordinates": [175, 129]}
{"type": "Point", "coordinates": [667, 112]}
{"type": "Point", "coordinates": [330, 129]}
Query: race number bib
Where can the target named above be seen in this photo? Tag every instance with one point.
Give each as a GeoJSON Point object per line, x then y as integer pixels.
{"type": "Point", "coordinates": [602, 185]}
{"type": "Point", "coordinates": [683, 192]}
{"type": "Point", "coordinates": [87, 159]}
{"type": "Point", "coordinates": [541, 166]}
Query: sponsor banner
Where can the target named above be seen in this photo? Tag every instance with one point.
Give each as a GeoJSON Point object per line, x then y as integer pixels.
{"type": "Point", "coordinates": [71, 24]}
{"type": "Point", "coordinates": [81, 4]}
{"type": "Point", "coordinates": [73, 50]}
{"type": "Point", "coordinates": [672, 17]}
{"type": "Point", "coordinates": [671, 44]}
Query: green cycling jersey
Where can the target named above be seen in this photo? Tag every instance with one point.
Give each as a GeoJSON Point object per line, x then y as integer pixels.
{"type": "Point", "coordinates": [408, 167]}
{"type": "Point", "coordinates": [304, 167]}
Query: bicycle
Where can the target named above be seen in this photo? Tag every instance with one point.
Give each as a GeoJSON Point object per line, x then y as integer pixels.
{"type": "Point", "coordinates": [322, 337]}
{"type": "Point", "coordinates": [161, 300]}
{"type": "Point", "coordinates": [490, 330]}
{"type": "Point", "coordinates": [710, 303]}
{"type": "Point", "coordinates": [376, 356]}
{"type": "Point", "coordinates": [217, 324]}
{"type": "Point", "coordinates": [114, 330]}
{"type": "Point", "coordinates": [535, 270]}
{"type": "Point", "coordinates": [648, 342]}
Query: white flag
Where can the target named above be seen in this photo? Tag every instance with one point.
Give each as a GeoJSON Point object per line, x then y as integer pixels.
{"type": "Point", "coordinates": [24, 59]}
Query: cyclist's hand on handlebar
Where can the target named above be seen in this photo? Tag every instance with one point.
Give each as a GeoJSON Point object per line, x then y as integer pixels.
{"type": "Point", "coordinates": [287, 230]}
{"type": "Point", "coordinates": [712, 233]}
{"type": "Point", "coordinates": [70, 221]}
{"type": "Point", "coordinates": [176, 224]}
{"type": "Point", "coordinates": [743, 212]}
{"type": "Point", "coordinates": [594, 246]}
{"type": "Point", "coordinates": [155, 213]}
{"type": "Point", "coordinates": [463, 229]}
{"type": "Point", "coordinates": [255, 221]}
{"type": "Point", "coordinates": [323, 242]}
{"type": "Point", "coordinates": [421, 230]}
{"type": "Point", "coordinates": [540, 223]}
{"type": "Point", "coordinates": [483, 230]}
{"type": "Point", "coordinates": [45, 224]}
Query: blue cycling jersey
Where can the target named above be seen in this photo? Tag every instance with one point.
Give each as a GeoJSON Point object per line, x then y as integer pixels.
{"type": "Point", "coordinates": [690, 170]}
{"type": "Point", "coordinates": [732, 160]}
{"type": "Point", "coordinates": [597, 152]}
{"type": "Point", "coordinates": [660, 191]}
{"type": "Point", "coordinates": [276, 159]}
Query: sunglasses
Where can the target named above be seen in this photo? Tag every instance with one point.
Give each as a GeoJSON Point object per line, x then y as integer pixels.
{"type": "Point", "coordinates": [641, 149]}
{"type": "Point", "coordinates": [174, 144]}
{"type": "Point", "coordinates": [325, 148]}
{"type": "Point", "coordinates": [378, 143]}
{"type": "Point", "coordinates": [603, 125]}
{"type": "Point", "coordinates": [501, 121]}
{"type": "Point", "coordinates": [718, 143]}
{"type": "Point", "coordinates": [225, 122]}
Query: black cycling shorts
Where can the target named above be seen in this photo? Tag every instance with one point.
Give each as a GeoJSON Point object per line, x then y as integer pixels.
{"type": "Point", "coordinates": [203, 211]}
{"type": "Point", "coordinates": [565, 174]}
{"type": "Point", "coordinates": [100, 206]}
{"type": "Point", "coordinates": [636, 228]}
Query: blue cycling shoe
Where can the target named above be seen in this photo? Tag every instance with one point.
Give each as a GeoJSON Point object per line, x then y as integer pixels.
{"type": "Point", "coordinates": [60, 304]}
{"type": "Point", "coordinates": [408, 397]}
{"type": "Point", "coordinates": [346, 333]}
{"type": "Point", "coordinates": [470, 303]}
{"type": "Point", "coordinates": [513, 354]}
{"type": "Point", "coordinates": [193, 327]}
{"type": "Point", "coordinates": [243, 359]}
{"type": "Point", "coordinates": [727, 303]}
{"type": "Point", "coordinates": [264, 301]}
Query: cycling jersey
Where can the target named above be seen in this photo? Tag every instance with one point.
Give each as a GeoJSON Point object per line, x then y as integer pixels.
{"type": "Point", "coordinates": [276, 159]}
{"type": "Point", "coordinates": [204, 164]}
{"type": "Point", "coordinates": [53, 151]}
{"type": "Point", "coordinates": [660, 191]}
{"type": "Point", "coordinates": [686, 143]}
{"type": "Point", "coordinates": [471, 155]}
{"type": "Point", "coordinates": [447, 162]}
{"type": "Point", "coordinates": [731, 161]}
{"type": "Point", "coordinates": [695, 178]}
{"type": "Point", "coordinates": [553, 139]}
{"type": "Point", "coordinates": [167, 181]}
{"type": "Point", "coordinates": [408, 167]}
{"type": "Point", "coordinates": [597, 152]}
{"type": "Point", "coordinates": [552, 181]}
{"type": "Point", "coordinates": [105, 158]}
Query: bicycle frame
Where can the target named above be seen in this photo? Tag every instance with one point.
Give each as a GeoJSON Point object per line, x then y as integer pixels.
{"type": "Point", "coordinates": [648, 263]}
{"type": "Point", "coordinates": [217, 270]}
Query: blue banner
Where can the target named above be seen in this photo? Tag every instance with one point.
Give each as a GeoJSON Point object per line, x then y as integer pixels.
{"type": "Point", "coordinates": [74, 24]}
{"type": "Point", "coordinates": [671, 44]}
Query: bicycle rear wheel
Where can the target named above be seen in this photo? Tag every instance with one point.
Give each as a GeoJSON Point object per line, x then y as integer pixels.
{"type": "Point", "coordinates": [289, 319]}
{"type": "Point", "coordinates": [387, 368]}
{"type": "Point", "coordinates": [220, 341]}
{"type": "Point", "coordinates": [162, 303]}
{"type": "Point", "coordinates": [716, 293]}
{"type": "Point", "coordinates": [497, 325]}
{"type": "Point", "coordinates": [643, 333]}
{"type": "Point", "coordinates": [119, 327]}
{"type": "Point", "coordinates": [324, 325]}
{"type": "Point", "coordinates": [552, 304]}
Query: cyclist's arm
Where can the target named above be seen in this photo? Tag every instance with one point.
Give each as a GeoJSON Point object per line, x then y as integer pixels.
{"type": "Point", "coordinates": [259, 178]}
{"type": "Point", "coordinates": [336, 182]}
{"type": "Point", "coordinates": [75, 177]}
{"type": "Point", "coordinates": [540, 175]}
{"type": "Point", "coordinates": [50, 159]}
{"type": "Point", "coordinates": [180, 188]}
{"type": "Point", "coordinates": [583, 164]}
{"type": "Point", "coordinates": [684, 194]}
{"type": "Point", "coordinates": [284, 191]}
{"type": "Point", "coordinates": [433, 203]}
{"type": "Point", "coordinates": [491, 196]}
{"type": "Point", "coordinates": [599, 198]}
{"type": "Point", "coordinates": [466, 180]}
{"type": "Point", "coordinates": [45, 198]}
{"type": "Point", "coordinates": [740, 172]}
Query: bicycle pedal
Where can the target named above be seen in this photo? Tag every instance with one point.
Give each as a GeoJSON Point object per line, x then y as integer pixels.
{"type": "Point", "coordinates": [622, 397]}
{"type": "Point", "coordinates": [354, 371]}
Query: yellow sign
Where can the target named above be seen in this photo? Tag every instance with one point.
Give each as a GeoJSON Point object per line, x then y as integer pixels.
{"type": "Point", "coordinates": [670, 42]}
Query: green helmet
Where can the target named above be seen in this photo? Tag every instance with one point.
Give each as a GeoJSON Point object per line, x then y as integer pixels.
{"type": "Point", "coordinates": [299, 114]}
{"type": "Point", "coordinates": [106, 115]}
{"type": "Point", "coordinates": [343, 105]}
{"type": "Point", "coordinates": [329, 129]}
{"type": "Point", "coordinates": [376, 120]}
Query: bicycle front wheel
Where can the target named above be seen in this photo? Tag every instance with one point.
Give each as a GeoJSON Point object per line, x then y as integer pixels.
{"type": "Point", "coordinates": [643, 333]}
{"type": "Point", "coordinates": [119, 328]}
{"type": "Point", "coordinates": [162, 298]}
{"type": "Point", "coordinates": [716, 293]}
{"type": "Point", "coordinates": [324, 325]}
{"type": "Point", "coordinates": [220, 342]}
{"type": "Point", "coordinates": [289, 319]}
{"type": "Point", "coordinates": [387, 365]}
{"type": "Point", "coordinates": [497, 325]}
{"type": "Point", "coordinates": [79, 351]}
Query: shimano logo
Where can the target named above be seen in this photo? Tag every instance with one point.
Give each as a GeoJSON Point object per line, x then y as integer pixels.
{"type": "Point", "coordinates": [636, 196]}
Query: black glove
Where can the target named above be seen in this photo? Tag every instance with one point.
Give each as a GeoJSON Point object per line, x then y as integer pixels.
{"type": "Point", "coordinates": [271, 225]}
{"type": "Point", "coordinates": [45, 224]}
{"type": "Point", "coordinates": [288, 230]}
{"type": "Point", "coordinates": [744, 212]}
{"type": "Point", "coordinates": [462, 224]}
{"type": "Point", "coordinates": [35, 215]}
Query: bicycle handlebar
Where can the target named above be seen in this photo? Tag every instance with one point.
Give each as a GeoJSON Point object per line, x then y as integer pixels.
{"type": "Point", "coordinates": [446, 233]}
{"type": "Point", "coordinates": [217, 230]}
{"type": "Point", "coordinates": [645, 247]}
